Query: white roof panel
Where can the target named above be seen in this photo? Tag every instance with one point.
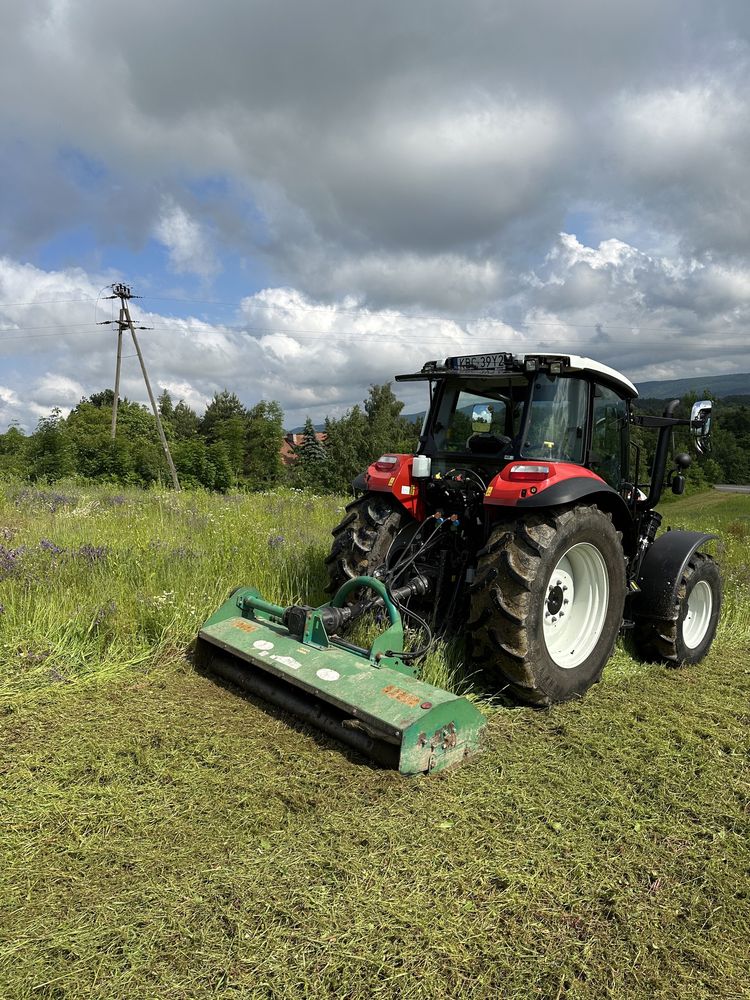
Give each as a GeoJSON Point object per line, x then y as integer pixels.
{"type": "Point", "coordinates": [588, 365]}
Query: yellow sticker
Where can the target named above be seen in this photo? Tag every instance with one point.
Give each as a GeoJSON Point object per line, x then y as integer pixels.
{"type": "Point", "coordinates": [489, 492]}
{"type": "Point", "coordinates": [245, 625]}
{"type": "Point", "coordinates": [398, 694]}
{"type": "Point", "coordinates": [392, 480]}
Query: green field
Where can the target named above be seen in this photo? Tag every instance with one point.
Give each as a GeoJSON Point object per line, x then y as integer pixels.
{"type": "Point", "coordinates": [162, 836]}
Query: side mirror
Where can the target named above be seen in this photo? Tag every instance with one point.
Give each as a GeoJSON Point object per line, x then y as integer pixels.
{"type": "Point", "coordinates": [700, 426]}
{"type": "Point", "coordinates": [481, 419]}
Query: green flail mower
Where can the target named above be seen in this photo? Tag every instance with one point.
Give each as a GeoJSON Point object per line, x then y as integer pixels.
{"type": "Point", "coordinates": [369, 699]}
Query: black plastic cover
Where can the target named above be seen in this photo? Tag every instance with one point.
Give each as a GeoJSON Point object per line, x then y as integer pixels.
{"type": "Point", "coordinates": [661, 572]}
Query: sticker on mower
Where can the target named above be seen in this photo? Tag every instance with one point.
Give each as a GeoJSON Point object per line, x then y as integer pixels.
{"type": "Point", "coordinates": [244, 625]}
{"type": "Point", "coordinates": [398, 694]}
{"type": "Point", "coordinates": [262, 644]}
{"type": "Point", "coordinates": [287, 661]}
{"type": "Point", "coordinates": [327, 675]}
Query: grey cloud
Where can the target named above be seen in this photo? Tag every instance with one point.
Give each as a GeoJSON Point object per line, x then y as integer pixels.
{"type": "Point", "coordinates": [428, 127]}
{"type": "Point", "coordinates": [402, 163]}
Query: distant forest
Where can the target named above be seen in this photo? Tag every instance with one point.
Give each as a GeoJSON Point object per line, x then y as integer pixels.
{"type": "Point", "coordinates": [232, 446]}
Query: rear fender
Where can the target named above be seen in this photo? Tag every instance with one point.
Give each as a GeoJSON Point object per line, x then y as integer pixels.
{"type": "Point", "coordinates": [397, 482]}
{"type": "Point", "coordinates": [568, 484]}
{"type": "Point", "coordinates": [661, 572]}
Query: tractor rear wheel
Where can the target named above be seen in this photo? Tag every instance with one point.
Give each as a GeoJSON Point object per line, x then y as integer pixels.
{"type": "Point", "coordinates": [547, 603]}
{"type": "Point", "coordinates": [362, 540]}
{"type": "Point", "coordinates": [687, 638]}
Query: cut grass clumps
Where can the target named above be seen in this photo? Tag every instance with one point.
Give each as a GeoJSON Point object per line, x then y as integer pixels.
{"type": "Point", "coordinates": [163, 836]}
{"type": "Point", "coordinates": [166, 837]}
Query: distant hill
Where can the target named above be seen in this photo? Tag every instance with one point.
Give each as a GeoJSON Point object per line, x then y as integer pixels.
{"type": "Point", "coordinates": [718, 385]}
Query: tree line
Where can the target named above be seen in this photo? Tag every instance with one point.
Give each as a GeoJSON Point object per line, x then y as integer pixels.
{"type": "Point", "coordinates": [231, 446]}
{"type": "Point", "coordinates": [729, 459]}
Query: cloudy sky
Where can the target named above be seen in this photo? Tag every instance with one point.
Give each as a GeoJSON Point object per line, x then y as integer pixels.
{"type": "Point", "coordinates": [312, 195]}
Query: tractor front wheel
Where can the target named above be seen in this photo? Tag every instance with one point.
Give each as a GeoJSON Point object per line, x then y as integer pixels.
{"type": "Point", "coordinates": [687, 638]}
{"type": "Point", "coordinates": [547, 603]}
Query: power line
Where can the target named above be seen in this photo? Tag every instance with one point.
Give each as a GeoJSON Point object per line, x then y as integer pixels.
{"type": "Point", "coordinates": [394, 337]}
{"type": "Point", "coordinates": [46, 302]}
{"type": "Point", "coordinates": [602, 325]}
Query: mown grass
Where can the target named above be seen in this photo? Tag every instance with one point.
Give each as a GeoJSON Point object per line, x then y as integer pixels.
{"type": "Point", "coordinates": [164, 837]}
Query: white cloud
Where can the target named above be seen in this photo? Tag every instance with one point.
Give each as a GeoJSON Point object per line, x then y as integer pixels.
{"type": "Point", "coordinates": [646, 315]}
{"type": "Point", "coordinates": [189, 248]}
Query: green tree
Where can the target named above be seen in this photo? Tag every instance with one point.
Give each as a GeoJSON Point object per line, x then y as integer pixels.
{"type": "Point", "coordinates": [224, 406]}
{"type": "Point", "coordinates": [225, 421]}
{"type": "Point", "coordinates": [310, 467]}
{"type": "Point", "coordinates": [166, 407]}
{"type": "Point", "coordinates": [388, 431]}
{"type": "Point", "coordinates": [13, 448]}
{"type": "Point", "coordinates": [348, 449]}
{"type": "Point", "coordinates": [184, 421]}
{"type": "Point", "coordinates": [264, 437]}
{"type": "Point", "coordinates": [51, 452]}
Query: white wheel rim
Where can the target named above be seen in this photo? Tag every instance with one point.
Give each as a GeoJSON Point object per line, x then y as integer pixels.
{"type": "Point", "coordinates": [575, 605]}
{"type": "Point", "coordinates": [700, 603]}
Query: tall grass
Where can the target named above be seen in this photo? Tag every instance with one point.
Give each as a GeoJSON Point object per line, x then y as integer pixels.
{"type": "Point", "coordinates": [96, 581]}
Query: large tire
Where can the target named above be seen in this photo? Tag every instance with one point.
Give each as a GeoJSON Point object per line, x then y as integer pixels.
{"type": "Point", "coordinates": [362, 539]}
{"type": "Point", "coordinates": [687, 638]}
{"type": "Point", "coordinates": [547, 603]}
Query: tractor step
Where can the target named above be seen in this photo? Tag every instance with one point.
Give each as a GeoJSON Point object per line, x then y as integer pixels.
{"type": "Point", "coordinates": [371, 702]}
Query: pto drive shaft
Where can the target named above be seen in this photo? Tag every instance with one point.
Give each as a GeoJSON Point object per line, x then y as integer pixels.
{"type": "Point", "coordinates": [336, 620]}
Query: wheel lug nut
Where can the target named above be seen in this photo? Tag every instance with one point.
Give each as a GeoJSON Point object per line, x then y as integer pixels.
{"type": "Point", "coordinates": [566, 601]}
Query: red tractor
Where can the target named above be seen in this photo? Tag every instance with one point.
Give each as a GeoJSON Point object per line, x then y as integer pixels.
{"type": "Point", "coordinates": [521, 523]}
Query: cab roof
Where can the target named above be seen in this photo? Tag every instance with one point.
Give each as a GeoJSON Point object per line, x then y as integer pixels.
{"type": "Point", "coordinates": [492, 365]}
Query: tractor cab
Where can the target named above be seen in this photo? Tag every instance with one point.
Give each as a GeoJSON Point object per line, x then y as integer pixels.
{"type": "Point", "coordinates": [490, 410]}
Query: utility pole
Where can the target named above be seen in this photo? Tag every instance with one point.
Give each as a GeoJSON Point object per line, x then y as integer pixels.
{"type": "Point", "coordinates": [121, 325]}
{"type": "Point", "coordinates": [123, 293]}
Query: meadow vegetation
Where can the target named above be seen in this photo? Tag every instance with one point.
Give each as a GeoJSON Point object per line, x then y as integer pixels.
{"type": "Point", "coordinates": [161, 835]}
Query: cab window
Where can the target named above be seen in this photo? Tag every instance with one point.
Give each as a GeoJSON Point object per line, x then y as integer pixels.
{"type": "Point", "coordinates": [608, 436]}
{"type": "Point", "coordinates": [478, 422]}
{"type": "Point", "coordinates": [557, 418]}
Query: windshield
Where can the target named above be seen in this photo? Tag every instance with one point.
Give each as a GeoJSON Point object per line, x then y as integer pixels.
{"type": "Point", "coordinates": [556, 420]}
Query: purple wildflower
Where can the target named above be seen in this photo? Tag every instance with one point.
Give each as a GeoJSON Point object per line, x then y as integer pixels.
{"type": "Point", "coordinates": [275, 541]}
{"type": "Point", "coordinates": [52, 501]}
{"type": "Point", "coordinates": [104, 612]}
{"type": "Point", "coordinates": [182, 553]}
{"type": "Point", "coordinates": [49, 546]}
{"type": "Point", "coordinates": [10, 560]}
{"type": "Point", "coordinates": [92, 553]}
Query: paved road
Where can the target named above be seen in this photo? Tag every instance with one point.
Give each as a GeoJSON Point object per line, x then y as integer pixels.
{"type": "Point", "coordinates": [728, 488]}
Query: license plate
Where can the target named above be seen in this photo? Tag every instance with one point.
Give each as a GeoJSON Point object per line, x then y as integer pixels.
{"type": "Point", "coordinates": [481, 363]}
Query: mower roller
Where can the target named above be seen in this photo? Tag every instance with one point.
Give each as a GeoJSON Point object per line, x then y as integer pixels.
{"type": "Point", "coordinates": [369, 699]}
